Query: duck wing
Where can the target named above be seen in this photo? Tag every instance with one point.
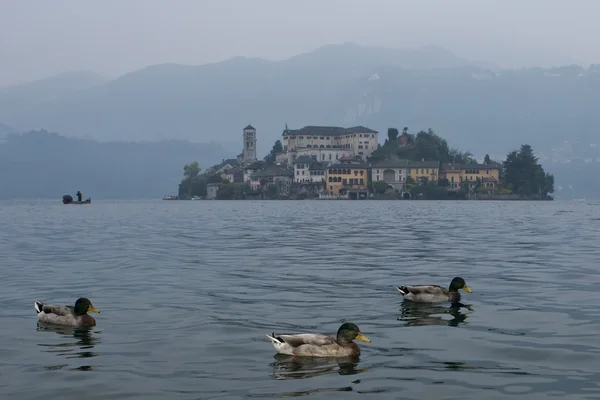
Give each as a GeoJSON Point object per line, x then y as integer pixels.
{"type": "Point", "coordinates": [300, 339]}
{"type": "Point", "coordinates": [418, 290]}
{"type": "Point", "coordinates": [60, 311]}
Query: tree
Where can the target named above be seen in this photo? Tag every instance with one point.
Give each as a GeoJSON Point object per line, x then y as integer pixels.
{"type": "Point", "coordinates": [272, 156]}
{"type": "Point", "coordinates": [486, 159]}
{"type": "Point", "coordinates": [392, 135]}
{"type": "Point", "coordinates": [524, 175]}
{"type": "Point", "coordinates": [271, 191]}
{"type": "Point", "coordinates": [405, 131]}
{"type": "Point", "coordinates": [191, 172]}
{"type": "Point", "coordinates": [380, 187]}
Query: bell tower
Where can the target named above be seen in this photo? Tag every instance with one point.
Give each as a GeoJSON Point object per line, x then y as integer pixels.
{"type": "Point", "coordinates": [249, 144]}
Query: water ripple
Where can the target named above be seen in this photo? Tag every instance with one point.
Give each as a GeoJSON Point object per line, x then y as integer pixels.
{"type": "Point", "coordinates": [188, 290]}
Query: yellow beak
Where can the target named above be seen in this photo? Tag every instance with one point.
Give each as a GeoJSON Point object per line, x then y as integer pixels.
{"type": "Point", "coordinates": [91, 308]}
{"type": "Point", "coordinates": [466, 289]}
{"type": "Point", "coordinates": [362, 338]}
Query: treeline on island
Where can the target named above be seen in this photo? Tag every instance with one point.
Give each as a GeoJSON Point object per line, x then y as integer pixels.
{"type": "Point", "coordinates": [520, 173]}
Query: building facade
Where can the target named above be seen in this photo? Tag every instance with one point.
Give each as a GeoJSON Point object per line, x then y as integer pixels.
{"type": "Point", "coordinates": [419, 170]}
{"type": "Point", "coordinates": [345, 176]}
{"type": "Point", "coordinates": [393, 172]}
{"type": "Point", "coordinates": [325, 142]}
{"type": "Point", "coordinates": [488, 175]}
{"type": "Point", "coordinates": [274, 175]}
{"type": "Point", "coordinates": [308, 170]}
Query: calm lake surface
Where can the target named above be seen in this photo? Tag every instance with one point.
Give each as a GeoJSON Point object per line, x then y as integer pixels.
{"type": "Point", "coordinates": [188, 290]}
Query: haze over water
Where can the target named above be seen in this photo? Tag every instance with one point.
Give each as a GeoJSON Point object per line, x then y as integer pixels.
{"type": "Point", "coordinates": [188, 290]}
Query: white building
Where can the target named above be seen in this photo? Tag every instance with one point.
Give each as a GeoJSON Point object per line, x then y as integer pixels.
{"type": "Point", "coordinates": [327, 142]}
{"type": "Point", "coordinates": [393, 172]}
{"type": "Point", "coordinates": [309, 170]}
{"type": "Point", "coordinates": [323, 155]}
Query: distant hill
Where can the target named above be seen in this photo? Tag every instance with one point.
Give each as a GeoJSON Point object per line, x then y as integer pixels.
{"type": "Point", "coordinates": [5, 129]}
{"type": "Point", "coordinates": [46, 165]}
{"type": "Point", "coordinates": [483, 110]}
{"type": "Point", "coordinates": [201, 103]}
{"type": "Point", "coordinates": [23, 98]}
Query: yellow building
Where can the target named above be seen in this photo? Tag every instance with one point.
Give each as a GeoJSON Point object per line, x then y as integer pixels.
{"type": "Point", "coordinates": [423, 169]}
{"type": "Point", "coordinates": [346, 176]}
{"type": "Point", "coordinates": [488, 175]}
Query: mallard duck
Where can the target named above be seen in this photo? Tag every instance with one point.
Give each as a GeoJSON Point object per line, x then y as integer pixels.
{"type": "Point", "coordinates": [67, 315]}
{"type": "Point", "coordinates": [320, 345]}
{"type": "Point", "coordinates": [434, 293]}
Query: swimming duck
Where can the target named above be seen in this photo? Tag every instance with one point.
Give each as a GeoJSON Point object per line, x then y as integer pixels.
{"type": "Point", "coordinates": [434, 293]}
{"type": "Point", "coordinates": [320, 345]}
{"type": "Point", "coordinates": [67, 315]}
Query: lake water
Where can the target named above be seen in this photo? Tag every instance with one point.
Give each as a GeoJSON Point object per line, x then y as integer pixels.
{"type": "Point", "coordinates": [188, 290]}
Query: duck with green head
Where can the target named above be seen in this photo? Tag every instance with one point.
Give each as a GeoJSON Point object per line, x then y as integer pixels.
{"type": "Point", "coordinates": [67, 315]}
{"type": "Point", "coordinates": [434, 293]}
{"type": "Point", "coordinates": [320, 345]}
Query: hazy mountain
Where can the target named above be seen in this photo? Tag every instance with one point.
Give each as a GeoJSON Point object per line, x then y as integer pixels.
{"type": "Point", "coordinates": [218, 100]}
{"type": "Point", "coordinates": [484, 110]}
{"type": "Point", "coordinates": [24, 98]}
{"type": "Point", "coordinates": [5, 129]}
{"type": "Point", "coordinates": [47, 165]}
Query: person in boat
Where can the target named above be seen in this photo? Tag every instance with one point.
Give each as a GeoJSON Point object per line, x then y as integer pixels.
{"type": "Point", "coordinates": [79, 196]}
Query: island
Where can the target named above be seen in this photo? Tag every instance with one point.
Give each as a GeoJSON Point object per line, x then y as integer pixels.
{"type": "Point", "coordinates": [334, 163]}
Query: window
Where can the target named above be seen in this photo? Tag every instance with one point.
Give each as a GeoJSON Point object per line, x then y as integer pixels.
{"type": "Point", "coordinates": [330, 179]}
{"type": "Point", "coordinates": [337, 156]}
{"type": "Point", "coordinates": [330, 156]}
{"type": "Point", "coordinates": [362, 181]}
{"type": "Point", "coordinates": [362, 172]}
{"type": "Point", "coordinates": [345, 182]}
{"type": "Point", "coordinates": [297, 172]}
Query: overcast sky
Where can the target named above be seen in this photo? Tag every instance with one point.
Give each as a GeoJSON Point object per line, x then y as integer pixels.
{"type": "Point", "coordinates": [39, 38]}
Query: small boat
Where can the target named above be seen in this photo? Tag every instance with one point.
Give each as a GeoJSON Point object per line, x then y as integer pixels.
{"type": "Point", "coordinates": [170, 197]}
{"type": "Point", "coordinates": [68, 199]}
{"type": "Point", "coordinates": [87, 201]}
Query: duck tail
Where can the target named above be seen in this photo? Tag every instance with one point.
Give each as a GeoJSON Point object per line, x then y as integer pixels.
{"type": "Point", "coordinates": [274, 339]}
{"type": "Point", "coordinates": [403, 289]}
{"type": "Point", "coordinates": [39, 307]}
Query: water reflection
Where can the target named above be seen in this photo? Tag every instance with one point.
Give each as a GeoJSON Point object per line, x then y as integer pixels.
{"type": "Point", "coordinates": [295, 367]}
{"type": "Point", "coordinates": [419, 314]}
{"type": "Point", "coordinates": [78, 344]}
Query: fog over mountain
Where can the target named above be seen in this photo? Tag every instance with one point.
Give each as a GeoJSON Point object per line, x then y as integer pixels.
{"type": "Point", "coordinates": [476, 106]}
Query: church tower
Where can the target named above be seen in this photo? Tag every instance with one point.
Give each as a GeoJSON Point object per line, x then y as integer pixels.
{"type": "Point", "coordinates": [249, 144]}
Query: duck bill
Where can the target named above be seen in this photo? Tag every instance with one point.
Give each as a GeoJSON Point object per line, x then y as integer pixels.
{"type": "Point", "coordinates": [362, 338]}
{"type": "Point", "coordinates": [93, 309]}
{"type": "Point", "coordinates": [466, 289]}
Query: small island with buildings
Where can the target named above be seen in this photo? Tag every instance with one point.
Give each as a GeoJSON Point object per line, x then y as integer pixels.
{"type": "Point", "coordinates": [326, 162]}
